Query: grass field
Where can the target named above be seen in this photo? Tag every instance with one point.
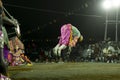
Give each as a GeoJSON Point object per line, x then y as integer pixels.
{"type": "Point", "coordinates": [66, 71]}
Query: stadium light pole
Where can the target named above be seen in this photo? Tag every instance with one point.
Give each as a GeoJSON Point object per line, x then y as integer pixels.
{"type": "Point", "coordinates": [116, 35]}
{"type": "Point", "coordinates": [116, 4]}
{"type": "Point", "coordinates": [107, 5]}
{"type": "Point", "coordinates": [106, 26]}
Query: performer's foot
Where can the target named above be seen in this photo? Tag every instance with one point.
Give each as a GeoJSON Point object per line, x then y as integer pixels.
{"type": "Point", "coordinates": [29, 64]}
{"type": "Point", "coordinates": [60, 60]}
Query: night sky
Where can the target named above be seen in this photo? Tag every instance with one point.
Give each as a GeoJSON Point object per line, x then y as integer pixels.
{"type": "Point", "coordinates": [42, 19]}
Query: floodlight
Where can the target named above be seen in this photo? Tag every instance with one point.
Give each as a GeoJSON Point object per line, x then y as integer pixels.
{"type": "Point", "coordinates": [115, 3]}
{"type": "Point", "coordinates": [107, 4]}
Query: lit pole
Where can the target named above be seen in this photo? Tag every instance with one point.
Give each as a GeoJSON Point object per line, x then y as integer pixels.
{"type": "Point", "coordinates": [107, 6]}
{"type": "Point", "coordinates": [116, 34]}
{"type": "Point", "coordinates": [116, 4]}
{"type": "Point", "coordinates": [106, 26]}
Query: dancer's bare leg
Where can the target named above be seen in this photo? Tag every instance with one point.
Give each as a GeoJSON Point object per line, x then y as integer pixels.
{"type": "Point", "coordinates": [55, 49]}
{"type": "Point", "coordinates": [62, 47]}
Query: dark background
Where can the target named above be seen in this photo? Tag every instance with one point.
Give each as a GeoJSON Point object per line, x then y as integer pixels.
{"type": "Point", "coordinates": [40, 20]}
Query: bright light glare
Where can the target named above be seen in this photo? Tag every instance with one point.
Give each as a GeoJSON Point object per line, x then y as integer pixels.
{"type": "Point", "coordinates": [116, 3]}
{"type": "Point", "coordinates": [111, 3]}
{"type": "Point", "coordinates": [107, 4]}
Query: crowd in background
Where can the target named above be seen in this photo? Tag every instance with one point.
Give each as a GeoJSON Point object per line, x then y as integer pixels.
{"type": "Point", "coordinates": [104, 51]}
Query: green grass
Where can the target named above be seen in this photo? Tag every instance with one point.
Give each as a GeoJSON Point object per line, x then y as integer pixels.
{"type": "Point", "coordinates": [66, 71]}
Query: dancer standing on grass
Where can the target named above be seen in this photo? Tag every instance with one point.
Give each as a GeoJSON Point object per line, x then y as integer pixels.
{"type": "Point", "coordinates": [69, 37]}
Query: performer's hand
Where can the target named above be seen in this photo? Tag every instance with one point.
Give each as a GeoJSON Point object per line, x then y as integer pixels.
{"type": "Point", "coordinates": [58, 37]}
{"type": "Point", "coordinates": [72, 43]}
{"type": "Point", "coordinates": [76, 39]}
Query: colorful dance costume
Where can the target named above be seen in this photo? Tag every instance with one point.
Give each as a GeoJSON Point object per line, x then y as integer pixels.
{"type": "Point", "coordinates": [69, 37]}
